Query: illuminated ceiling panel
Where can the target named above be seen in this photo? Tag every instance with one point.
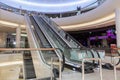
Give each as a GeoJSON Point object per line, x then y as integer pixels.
{"type": "Point", "coordinates": [50, 6]}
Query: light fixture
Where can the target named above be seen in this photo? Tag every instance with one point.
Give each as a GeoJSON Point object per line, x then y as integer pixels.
{"type": "Point", "coordinates": [8, 23]}
{"type": "Point", "coordinates": [11, 24]}
{"type": "Point", "coordinates": [11, 63]}
{"type": "Point", "coordinates": [90, 23]}
{"type": "Point", "coordinates": [52, 5]}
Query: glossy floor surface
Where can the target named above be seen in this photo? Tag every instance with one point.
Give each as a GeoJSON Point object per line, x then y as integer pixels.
{"type": "Point", "coordinates": [72, 75]}
{"type": "Point", "coordinates": [11, 65]}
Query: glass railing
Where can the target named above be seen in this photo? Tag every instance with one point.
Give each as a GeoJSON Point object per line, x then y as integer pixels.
{"type": "Point", "coordinates": [74, 55]}
{"type": "Point", "coordinates": [61, 32]}
{"type": "Point", "coordinates": [42, 42]}
{"type": "Point", "coordinates": [83, 9]}
{"type": "Point", "coordinates": [60, 44]}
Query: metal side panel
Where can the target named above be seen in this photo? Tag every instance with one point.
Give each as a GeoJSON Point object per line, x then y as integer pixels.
{"type": "Point", "coordinates": [41, 69]}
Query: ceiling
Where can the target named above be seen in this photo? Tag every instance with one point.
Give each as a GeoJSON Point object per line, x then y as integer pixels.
{"type": "Point", "coordinates": [48, 6]}
{"type": "Point", "coordinates": [102, 16]}
{"type": "Point", "coordinates": [51, 1]}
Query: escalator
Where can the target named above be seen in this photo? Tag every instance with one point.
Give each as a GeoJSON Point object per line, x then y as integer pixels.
{"type": "Point", "coordinates": [43, 42]}
{"type": "Point", "coordinates": [69, 53]}
{"type": "Point", "coordinates": [53, 27]}
{"type": "Point", "coordinates": [70, 41]}
{"type": "Point", "coordinates": [41, 59]}
{"type": "Point", "coordinates": [28, 65]}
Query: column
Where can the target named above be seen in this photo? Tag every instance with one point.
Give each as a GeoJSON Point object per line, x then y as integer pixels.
{"type": "Point", "coordinates": [2, 39]}
{"type": "Point", "coordinates": [18, 36]}
{"type": "Point", "coordinates": [117, 22]}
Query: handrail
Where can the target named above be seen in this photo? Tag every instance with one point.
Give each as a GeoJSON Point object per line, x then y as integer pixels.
{"type": "Point", "coordinates": [56, 26]}
{"type": "Point", "coordinates": [35, 49]}
{"type": "Point", "coordinates": [52, 29]}
{"type": "Point", "coordinates": [48, 38]}
{"type": "Point", "coordinates": [60, 68]}
{"type": "Point", "coordinates": [89, 5]}
{"type": "Point", "coordinates": [27, 49]}
{"type": "Point", "coordinates": [115, 66]}
{"type": "Point", "coordinates": [96, 59]}
{"type": "Point", "coordinates": [43, 57]}
{"type": "Point", "coordinates": [116, 48]}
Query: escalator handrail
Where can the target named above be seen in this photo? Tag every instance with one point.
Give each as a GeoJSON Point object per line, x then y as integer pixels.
{"type": "Point", "coordinates": [82, 48]}
{"type": "Point", "coordinates": [61, 30]}
{"type": "Point", "coordinates": [63, 57]}
{"type": "Point", "coordinates": [49, 39]}
{"type": "Point", "coordinates": [36, 41]}
{"type": "Point", "coordinates": [55, 32]}
{"type": "Point", "coordinates": [85, 49]}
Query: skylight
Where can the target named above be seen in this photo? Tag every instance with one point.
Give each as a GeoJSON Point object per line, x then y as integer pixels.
{"type": "Point", "coordinates": [53, 5]}
{"type": "Point", "coordinates": [48, 7]}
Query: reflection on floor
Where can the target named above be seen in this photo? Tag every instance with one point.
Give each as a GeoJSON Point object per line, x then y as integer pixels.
{"type": "Point", "coordinates": [10, 66]}
{"type": "Point", "coordinates": [73, 75]}
{"type": "Point", "coordinates": [9, 72]}
{"type": "Point", "coordinates": [107, 74]}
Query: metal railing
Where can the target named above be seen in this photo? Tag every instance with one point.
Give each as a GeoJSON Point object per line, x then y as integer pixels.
{"type": "Point", "coordinates": [59, 63]}
{"type": "Point", "coordinates": [96, 59]}
{"type": "Point", "coordinates": [114, 64]}
{"type": "Point", "coordinates": [53, 62]}
{"type": "Point", "coordinates": [19, 51]}
{"type": "Point", "coordinates": [115, 67]}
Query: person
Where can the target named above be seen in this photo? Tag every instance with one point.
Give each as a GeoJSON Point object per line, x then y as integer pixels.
{"type": "Point", "coordinates": [79, 10]}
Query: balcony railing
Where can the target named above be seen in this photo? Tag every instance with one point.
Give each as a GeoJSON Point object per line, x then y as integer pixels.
{"type": "Point", "coordinates": [78, 11]}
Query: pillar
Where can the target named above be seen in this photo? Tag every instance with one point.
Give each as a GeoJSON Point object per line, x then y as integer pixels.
{"type": "Point", "coordinates": [18, 36]}
{"type": "Point", "coordinates": [2, 39]}
{"type": "Point", "coordinates": [117, 22]}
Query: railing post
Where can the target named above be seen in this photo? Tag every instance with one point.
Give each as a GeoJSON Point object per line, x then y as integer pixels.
{"type": "Point", "coordinates": [83, 68]}
{"type": "Point", "coordinates": [115, 73]}
{"type": "Point", "coordinates": [100, 63]}
{"type": "Point", "coordinates": [51, 69]}
{"type": "Point", "coordinates": [115, 66]}
{"type": "Point", "coordinates": [60, 69]}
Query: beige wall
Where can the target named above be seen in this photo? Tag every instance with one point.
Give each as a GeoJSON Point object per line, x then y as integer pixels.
{"type": "Point", "coordinates": [2, 39]}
